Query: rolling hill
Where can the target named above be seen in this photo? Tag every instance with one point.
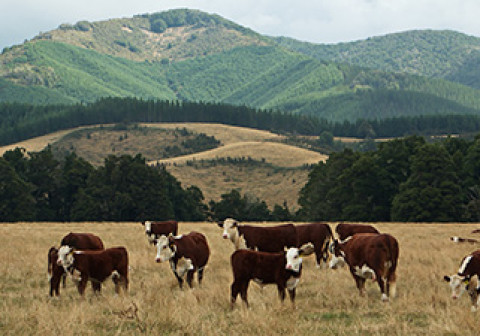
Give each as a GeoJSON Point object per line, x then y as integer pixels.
{"type": "Point", "coordinates": [194, 56]}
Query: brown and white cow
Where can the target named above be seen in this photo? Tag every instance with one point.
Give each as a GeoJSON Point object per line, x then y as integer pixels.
{"type": "Point", "coordinates": [462, 281]}
{"type": "Point", "coordinates": [186, 253]}
{"type": "Point", "coordinates": [95, 266]}
{"type": "Point", "coordinates": [457, 239]}
{"type": "Point", "coordinates": [154, 230]}
{"type": "Point", "coordinates": [319, 234]}
{"type": "Point", "coordinates": [283, 269]}
{"type": "Point", "coordinates": [369, 256]}
{"type": "Point", "coordinates": [345, 230]}
{"type": "Point", "coordinates": [261, 238]}
{"type": "Point", "coordinates": [79, 241]}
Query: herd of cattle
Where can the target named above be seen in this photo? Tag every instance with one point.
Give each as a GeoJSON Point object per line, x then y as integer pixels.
{"type": "Point", "coordinates": [264, 254]}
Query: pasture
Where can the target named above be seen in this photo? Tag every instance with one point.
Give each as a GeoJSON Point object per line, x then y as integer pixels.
{"type": "Point", "coordinates": [327, 301]}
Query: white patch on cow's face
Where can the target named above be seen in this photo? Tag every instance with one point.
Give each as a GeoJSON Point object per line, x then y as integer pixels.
{"type": "Point", "coordinates": [148, 226]}
{"type": "Point", "coordinates": [457, 284]}
{"type": "Point", "coordinates": [337, 261]}
{"type": "Point", "coordinates": [464, 265]}
{"type": "Point", "coordinates": [365, 272]}
{"type": "Point", "coordinates": [65, 256]}
{"type": "Point", "coordinates": [294, 261]}
{"type": "Point", "coordinates": [164, 252]}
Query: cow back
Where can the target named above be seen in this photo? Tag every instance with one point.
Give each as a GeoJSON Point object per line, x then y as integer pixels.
{"type": "Point", "coordinates": [164, 228]}
{"type": "Point", "coordinates": [315, 233]}
{"type": "Point", "coordinates": [248, 264]}
{"type": "Point", "coordinates": [371, 248]}
{"type": "Point", "coordinates": [345, 230]}
{"type": "Point", "coordinates": [193, 246]}
{"type": "Point", "coordinates": [269, 238]}
{"type": "Point", "coordinates": [82, 241]}
{"type": "Point", "coordinates": [100, 264]}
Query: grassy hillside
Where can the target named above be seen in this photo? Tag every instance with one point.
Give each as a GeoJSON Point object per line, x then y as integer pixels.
{"type": "Point", "coordinates": [327, 301]}
{"type": "Point", "coordinates": [194, 56]}
{"type": "Point", "coordinates": [442, 54]}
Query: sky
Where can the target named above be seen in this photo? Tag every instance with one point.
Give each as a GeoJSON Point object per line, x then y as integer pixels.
{"type": "Point", "coordinates": [316, 21]}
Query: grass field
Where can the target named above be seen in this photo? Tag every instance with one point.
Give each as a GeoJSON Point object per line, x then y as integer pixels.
{"type": "Point", "coordinates": [327, 301]}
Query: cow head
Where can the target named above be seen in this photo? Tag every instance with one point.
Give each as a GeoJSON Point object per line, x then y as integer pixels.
{"type": "Point", "coordinates": [338, 256]}
{"type": "Point", "coordinates": [293, 256]}
{"type": "Point", "coordinates": [230, 230]}
{"type": "Point", "coordinates": [458, 284]}
{"type": "Point", "coordinates": [165, 248]}
{"type": "Point", "coordinates": [65, 256]}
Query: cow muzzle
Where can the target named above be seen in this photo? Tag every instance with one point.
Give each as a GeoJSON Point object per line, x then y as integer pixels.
{"type": "Point", "coordinates": [289, 267]}
{"type": "Point", "coordinates": [225, 236]}
{"type": "Point", "coordinates": [158, 260]}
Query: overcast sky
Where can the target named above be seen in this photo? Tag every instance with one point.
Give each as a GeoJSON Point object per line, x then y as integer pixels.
{"type": "Point", "coordinates": [318, 21]}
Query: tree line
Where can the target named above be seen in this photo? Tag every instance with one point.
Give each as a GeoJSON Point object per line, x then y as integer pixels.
{"type": "Point", "coordinates": [23, 121]}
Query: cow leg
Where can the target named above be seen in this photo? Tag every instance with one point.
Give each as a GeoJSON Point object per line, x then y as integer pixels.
{"type": "Point", "coordinates": [243, 292]}
{"type": "Point", "coordinates": [234, 291]}
{"type": "Point", "coordinates": [96, 286]}
{"type": "Point", "coordinates": [82, 284]}
{"type": "Point", "coordinates": [190, 274]}
{"type": "Point", "coordinates": [382, 284]}
{"type": "Point", "coordinates": [281, 292]}
{"type": "Point", "coordinates": [391, 285]}
{"type": "Point", "coordinates": [179, 279]}
{"type": "Point", "coordinates": [64, 279]}
{"type": "Point", "coordinates": [360, 284]}
{"type": "Point", "coordinates": [200, 275]}
{"type": "Point", "coordinates": [292, 293]}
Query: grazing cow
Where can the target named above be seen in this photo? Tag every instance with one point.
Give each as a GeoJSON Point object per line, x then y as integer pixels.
{"type": "Point", "coordinates": [369, 256]}
{"type": "Point", "coordinates": [456, 239]}
{"type": "Point", "coordinates": [154, 230]}
{"type": "Point", "coordinates": [79, 241]}
{"type": "Point", "coordinates": [261, 238]}
{"type": "Point", "coordinates": [95, 266]}
{"type": "Point", "coordinates": [283, 269]}
{"type": "Point", "coordinates": [186, 253]}
{"type": "Point", "coordinates": [55, 272]}
{"type": "Point", "coordinates": [319, 234]}
{"type": "Point", "coordinates": [463, 280]}
{"type": "Point", "coordinates": [345, 230]}
{"type": "Point", "coordinates": [476, 231]}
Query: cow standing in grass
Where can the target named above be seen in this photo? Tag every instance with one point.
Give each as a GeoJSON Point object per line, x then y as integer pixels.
{"type": "Point", "coordinates": [320, 235]}
{"type": "Point", "coordinates": [154, 230]}
{"type": "Point", "coordinates": [187, 254]}
{"type": "Point", "coordinates": [369, 256]}
{"type": "Point", "coordinates": [345, 230]}
{"type": "Point", "coordinates": [260, 238]}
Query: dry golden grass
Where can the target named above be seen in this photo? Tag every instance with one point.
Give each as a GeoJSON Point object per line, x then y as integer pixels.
{"type": "Point", "coordinates": [327, 301]}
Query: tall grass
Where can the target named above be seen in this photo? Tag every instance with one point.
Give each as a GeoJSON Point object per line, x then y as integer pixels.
{"type": "Point", "coordinates": [327, 301]}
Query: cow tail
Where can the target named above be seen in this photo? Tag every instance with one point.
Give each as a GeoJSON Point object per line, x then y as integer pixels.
{"type": "Point", "coordinates": [393, 259]}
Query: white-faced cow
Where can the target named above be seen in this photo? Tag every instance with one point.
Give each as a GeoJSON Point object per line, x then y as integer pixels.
{"type": "Point", "coordinates": [283, 269]}
{"type": "Point", "coordinates": [186, 253]}
{"type": "Point", "coordinates": [95, 266]}
{"type": "Point", "coordinates": [319, 234]}
{"type": "Point", "coordinates": [261, 238]}
{"type": "Point", "coordinates": [345, 230]}
{"type": "Point", "coordinates": [78, 241]}
{"type": "Point", "coordinates": [369, 256]}
{"type": "Point", "coordinates": [154, 230]}
{"type": "Point", "coordinates": [463, 280]}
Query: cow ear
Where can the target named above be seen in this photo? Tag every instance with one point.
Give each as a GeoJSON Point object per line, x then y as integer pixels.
{"type": "Point", "coordinates": [446, 278]}
{"type": "Point", "coordinates": [220, 223]}
{"type": "Point", "coordinates": [235, 224]}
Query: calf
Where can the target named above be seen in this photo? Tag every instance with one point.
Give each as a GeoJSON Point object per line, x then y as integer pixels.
{"type": "Point", "coordinates": [79, 241]}
{"type": "Point", "coordinates": [463, 280]}
{"type": "Point", "coordinates": [95, 266]}
{"type": "Point", "coordinates": [261, 238]}
{"type": "Point", "coordinates": [186, 253]}
{"type": "Point", "coordinates": [283, 269]}
{"type": "Point", "coordinates": [319, 234]}
{"type": "Point", "coordinates": [154, 230]}
{"type": "Point", "coordinates": [345, 230]}
{"type": "Point", "coordinates": [369, 256]}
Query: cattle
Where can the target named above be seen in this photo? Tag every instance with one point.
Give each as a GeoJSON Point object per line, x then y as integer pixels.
{"type": "Point", "coordinates": [55, 272]}
{"type": "Point", "coordinates": [186, 253]}
{"type": "Point", "coordinates": [283, 269]}
{"type": "Point", "coordinates": [463, 280]}
{"type": "Point", "coordinates": [95, 266]}
{"type": "Point", "coordinates": [369, 256]}
{"type": "Point", "coordinates": [319, 234]}
{"type": "Point", "coordinates": [79, 241]}
{"type": "Point", "coordinates": [261, 238]}
{"type": "Point", "coordinates": [345, 230]}
{"type": "Point", "coordinates": [457, 239]}
{"type": "Point", "coordinates": [154, 230]}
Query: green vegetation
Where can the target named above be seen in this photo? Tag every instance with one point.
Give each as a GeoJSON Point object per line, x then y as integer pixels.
{"type": "Point", "coordinates": [404, 180]}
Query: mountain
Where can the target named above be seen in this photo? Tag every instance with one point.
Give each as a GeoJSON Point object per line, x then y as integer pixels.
{"type": "Point", "coordinates": [190, 55]}
{"type": "Point", "coordinates": [440, 54]}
